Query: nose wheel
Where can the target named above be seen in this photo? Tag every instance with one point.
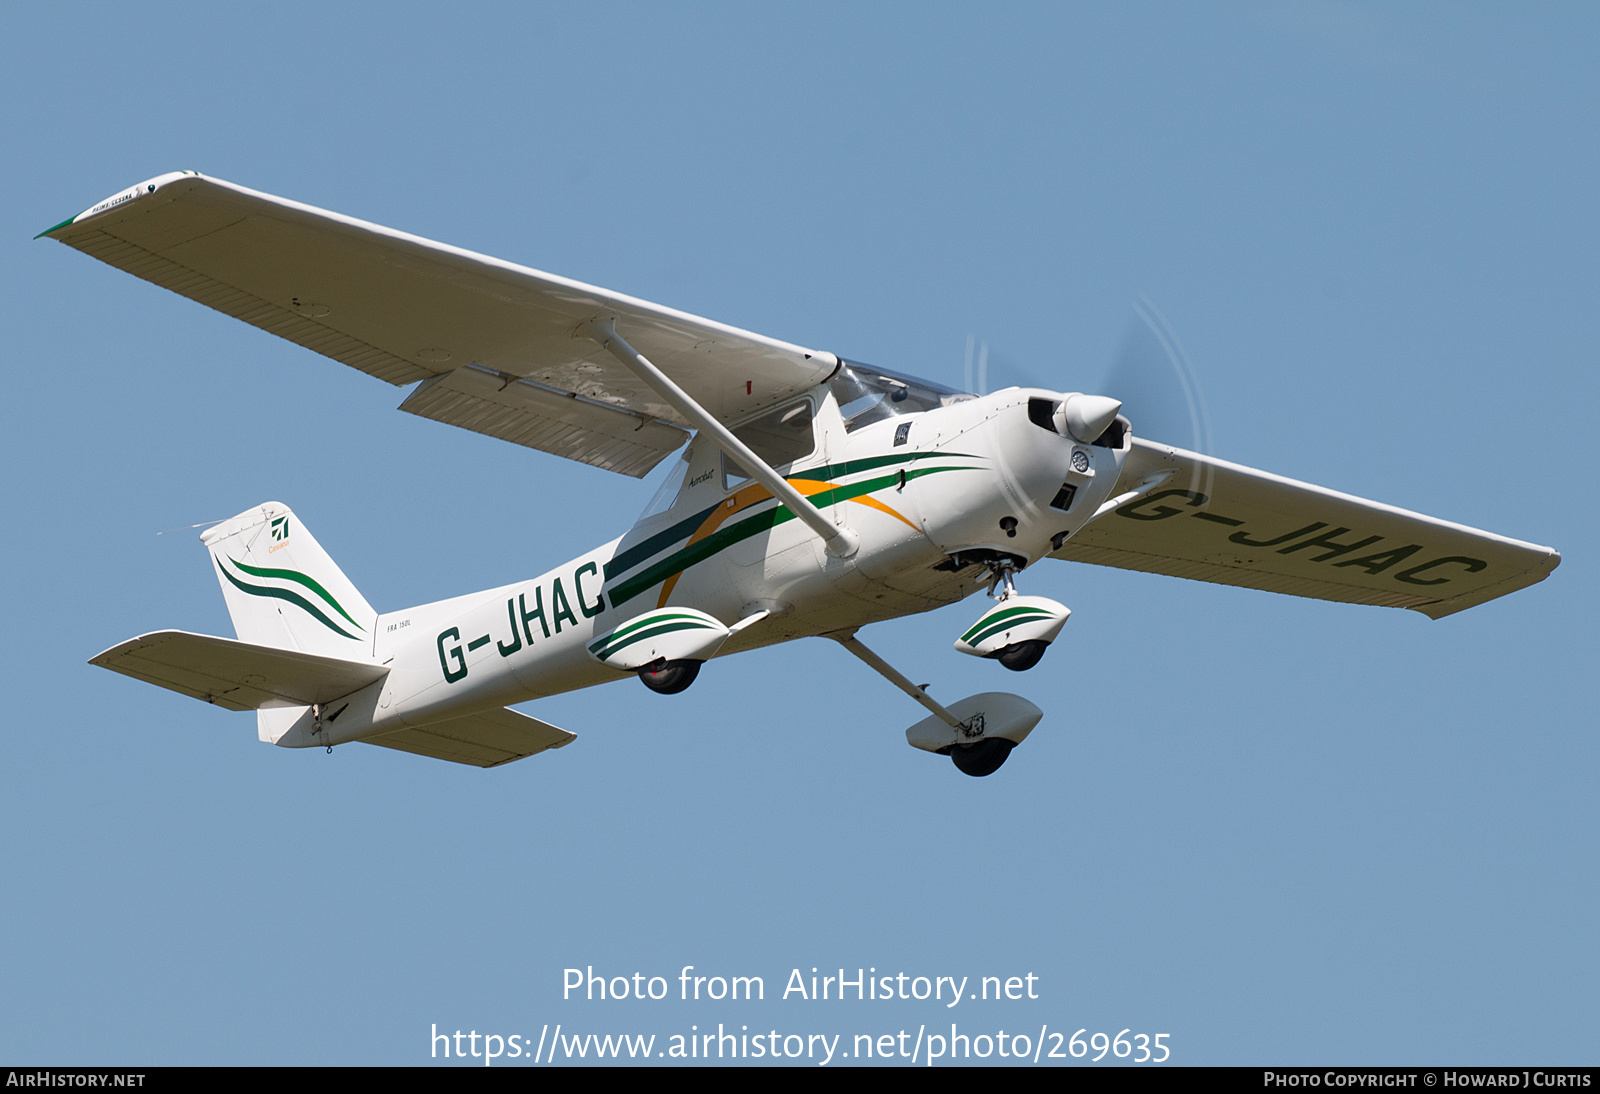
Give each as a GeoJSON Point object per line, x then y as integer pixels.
{"type": "Point", "coordinates": [1018, 629]}
{"type": "Point", "coordinates": [1022, 656]}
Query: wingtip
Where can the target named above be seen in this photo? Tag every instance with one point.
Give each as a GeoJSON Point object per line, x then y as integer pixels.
{"type": "Point", "coordinates": [55, 227]}
{"type": "Point", "coordinates": [148, 186]}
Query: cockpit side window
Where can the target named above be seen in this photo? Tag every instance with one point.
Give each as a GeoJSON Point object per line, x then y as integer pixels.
{"type": "Point", "coordinates": [779, 437]}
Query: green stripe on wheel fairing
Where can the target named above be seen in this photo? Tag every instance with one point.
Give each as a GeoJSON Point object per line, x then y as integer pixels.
{"type": "Point", "coordinates": [1005, 624]}
{"type": "Point", "coordinates": [649, 620]}
{"type": "Point", "coordinates": [1002, 613]}
{"type": "Point", "coordinates": [666, 628]}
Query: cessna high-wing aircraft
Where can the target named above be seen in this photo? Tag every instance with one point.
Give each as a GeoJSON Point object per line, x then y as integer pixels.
{"type": "Point", "coordinates": [814, 495]}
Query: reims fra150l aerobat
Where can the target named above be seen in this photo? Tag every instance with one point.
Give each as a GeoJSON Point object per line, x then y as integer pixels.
{"type": "Point", "coordinates": [814, 495]}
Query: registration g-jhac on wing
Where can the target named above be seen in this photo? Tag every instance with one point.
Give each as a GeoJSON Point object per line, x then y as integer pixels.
{"type": "Point", "coordinates": [812, 495]}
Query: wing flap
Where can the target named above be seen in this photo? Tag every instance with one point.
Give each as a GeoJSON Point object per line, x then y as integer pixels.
{"type": "Point", "coordinates": [236, 675]}
{"type": "Point", "coordinates": [1220, 522]}
{"type": "Point", "coordinates": [486, 739]}
{"type": "Point", "coordinates": [404, 308]}
{"type": "Point", "coordinates": [527, 413]}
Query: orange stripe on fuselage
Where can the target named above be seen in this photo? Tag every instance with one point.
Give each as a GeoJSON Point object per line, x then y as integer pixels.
{"type": "Point", "coordinates": [873, 503]}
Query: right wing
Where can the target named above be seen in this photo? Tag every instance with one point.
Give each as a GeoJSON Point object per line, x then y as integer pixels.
{"type": "Point", "coordinates": [498, 347]}
{"type": "Point", "coordinates": [1216, 521]}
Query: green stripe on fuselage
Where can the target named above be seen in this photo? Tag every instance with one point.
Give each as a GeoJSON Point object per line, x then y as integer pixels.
{"type": "Point", "coordinates": [752, 525]}
{"type": "Point", "coordinates": [626, 560]}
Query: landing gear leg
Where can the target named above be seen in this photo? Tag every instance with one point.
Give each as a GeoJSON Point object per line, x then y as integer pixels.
{"type": "Point", "coordinates": [1003, 571]}
{"type": "Point", "coordinates": [983, 755]}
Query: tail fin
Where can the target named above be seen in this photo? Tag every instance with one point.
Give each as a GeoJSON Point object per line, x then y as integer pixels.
{"type": "Point", "coordinates": [283, 590]}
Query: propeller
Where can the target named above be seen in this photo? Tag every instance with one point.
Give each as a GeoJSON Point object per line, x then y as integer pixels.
{"type": "Point", "coordinates": [1150, 374]}
{"type": "Point", "coordinates": [1158, 387]}
{"type": "Point", "coordinates": [985, 372]}
{"type": "Point", "coordinates": [977, 383]}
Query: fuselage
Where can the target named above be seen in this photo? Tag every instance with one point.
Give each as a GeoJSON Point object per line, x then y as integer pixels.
{"type": "Point", "coordinates": [930, 494]}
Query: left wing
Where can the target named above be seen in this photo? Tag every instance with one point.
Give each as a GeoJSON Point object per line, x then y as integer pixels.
{"type": "Point", "coordinates": [498, 348]}
{"type": "Point", "coordinates": [1216, 521]}
{"type": "Point", "coordinates": [486, 739]}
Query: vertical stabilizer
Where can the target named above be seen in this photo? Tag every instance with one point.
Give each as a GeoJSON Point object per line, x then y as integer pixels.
{"type": "Point", "coordinates": [282, 588]}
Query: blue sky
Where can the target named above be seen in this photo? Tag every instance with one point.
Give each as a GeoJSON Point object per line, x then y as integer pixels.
{"type": "Point", "coordinates": [1277, 830]}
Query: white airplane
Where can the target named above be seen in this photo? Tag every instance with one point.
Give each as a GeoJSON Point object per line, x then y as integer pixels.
{"type": "Point", "coordinates": [814, 495]}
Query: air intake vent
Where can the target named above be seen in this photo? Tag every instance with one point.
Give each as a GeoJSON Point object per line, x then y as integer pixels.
{"type": "Point", "coordinates": [1114, 436]}
{"type": "Point", "coordinates": [1042, 412]}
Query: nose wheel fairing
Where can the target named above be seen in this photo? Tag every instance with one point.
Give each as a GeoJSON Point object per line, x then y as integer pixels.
{"type": "Point", "coordinates": [1016, 620]}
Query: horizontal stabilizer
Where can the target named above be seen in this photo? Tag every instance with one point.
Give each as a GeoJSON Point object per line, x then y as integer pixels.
{"type": "Point", "coordinates": [236, 675]}
{"type": "Point", "coordinates": [487, 739]}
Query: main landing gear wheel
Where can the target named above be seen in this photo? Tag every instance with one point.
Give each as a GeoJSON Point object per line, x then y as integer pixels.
{"type": "Point", "coordinates": [1022, 656]}
{"type": "Point", "coordinates": [669, 677]}
{"type": "Point", "coordinates": [982, 758]}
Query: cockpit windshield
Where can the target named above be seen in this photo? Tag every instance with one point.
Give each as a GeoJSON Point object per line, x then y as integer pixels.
{"type": "Point", "coordinates": [866, 394]}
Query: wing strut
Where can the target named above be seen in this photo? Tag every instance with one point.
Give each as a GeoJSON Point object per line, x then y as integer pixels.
{"type": "Point", "coordinates": [841, 542]}
{"type": "Point", "coordinates": [1139, 491]}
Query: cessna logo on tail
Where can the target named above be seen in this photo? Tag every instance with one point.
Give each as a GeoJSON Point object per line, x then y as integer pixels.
{"type": "Point", "coordinates": [280, 528]}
